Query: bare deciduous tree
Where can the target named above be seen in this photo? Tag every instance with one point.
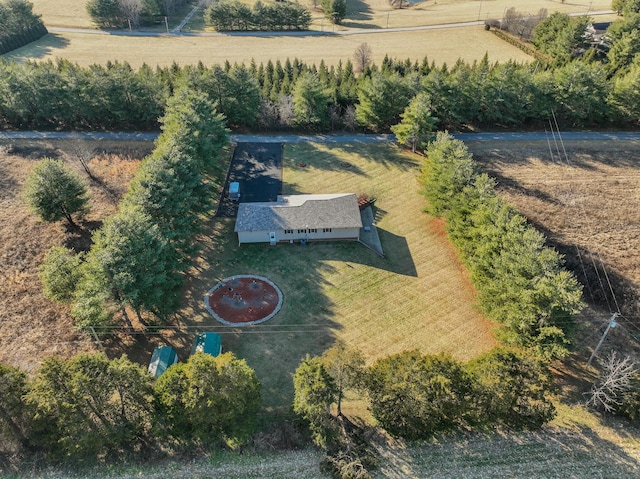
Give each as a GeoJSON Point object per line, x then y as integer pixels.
{"type": "Point", "coordinates": [286, 109]}
{"type": "Point", "coordinates": [82, 151]}
{"type": "Point", "coordinates": [349, 118]}
{"type": "Point", "coordinates": [267, 114]}
{"type": "Point", "coordinates": [615, 380]}
{"type": "Point", "coordinates": [362, 57]}
{"type": "Point", "coordinates": [132, 10]}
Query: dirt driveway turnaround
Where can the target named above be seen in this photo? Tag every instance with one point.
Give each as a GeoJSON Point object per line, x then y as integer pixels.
{"type": "Point", "coordinates": [258, 169]}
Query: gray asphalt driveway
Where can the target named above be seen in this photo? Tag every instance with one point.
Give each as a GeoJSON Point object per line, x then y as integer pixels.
{"type": "Point", "coordinates": [258, 169]}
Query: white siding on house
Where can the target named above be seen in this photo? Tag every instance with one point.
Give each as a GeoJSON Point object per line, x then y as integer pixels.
{"type": "Point", "coordinates": [282, 236]}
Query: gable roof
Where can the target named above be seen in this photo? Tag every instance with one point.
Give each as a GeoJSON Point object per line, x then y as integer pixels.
{"type": "Point", "coordinates": [300, 212]}
{"type": "Point", "coordinates": [209, 343]}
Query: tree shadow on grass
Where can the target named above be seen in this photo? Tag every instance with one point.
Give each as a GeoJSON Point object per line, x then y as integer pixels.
{"type": "Point", "coordinates": [330, 157]}
{"type": "Point", "coordinates": [577, 451]}
{"type": "Point", "coordinates": [78, 238]}
{"type": "Point", "coordinates": [274, 349]}
{"type": "Point", "coordinates": [304, 325]}
{"type": "Point", "coordinates": [358, 10]}
{"type": "Point", "coordinates": [39, 49]}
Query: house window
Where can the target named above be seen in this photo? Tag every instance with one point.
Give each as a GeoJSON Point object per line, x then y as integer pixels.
{"type": "Point", "coordinates": [302, 231]}
{"type": "Point", "coordinates": [288, 232]}
{"type": "Point", "coordinates": [313, 230]}
{"type": "Point", "coordinates": [326, 230]}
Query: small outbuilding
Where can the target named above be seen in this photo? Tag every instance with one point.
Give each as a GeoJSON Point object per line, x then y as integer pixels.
{"type": "Point", "coordinates": [209, 343]}
{"type": "Point", "coordinates": [301, 218]}
{"type": "Point", "coordinates": [162, 358]}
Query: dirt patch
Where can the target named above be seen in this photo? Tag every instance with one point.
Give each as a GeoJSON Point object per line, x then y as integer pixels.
{"type": "Point", "coordinates": [244, 300]}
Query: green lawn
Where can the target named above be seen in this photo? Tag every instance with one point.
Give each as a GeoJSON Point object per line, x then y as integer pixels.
{"type": "Point", "coordinates": [416, 297]}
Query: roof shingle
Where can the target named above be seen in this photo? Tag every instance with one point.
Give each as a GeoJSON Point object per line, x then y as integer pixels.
{"type": "Point", "coordinates": [300, 212]}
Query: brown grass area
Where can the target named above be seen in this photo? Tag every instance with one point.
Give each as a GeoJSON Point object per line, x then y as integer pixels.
{"type": "Point", "coordinates": [591, 205]}
{"type": "Point", "coordinates": [63, 13]}
{"type": "Point", "coordinates": [31, 326]}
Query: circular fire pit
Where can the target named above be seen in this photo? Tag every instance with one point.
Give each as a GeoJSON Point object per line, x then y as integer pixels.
{"type": "Point", "coordinates": [243, 299]}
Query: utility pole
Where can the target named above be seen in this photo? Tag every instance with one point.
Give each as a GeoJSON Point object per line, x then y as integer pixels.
{"type": "Point", "coordinates": [612, 324]}
{"type": "Point", "coordinates": [166, 23]}
{"type": "Point", "coordinates": [97, 339]}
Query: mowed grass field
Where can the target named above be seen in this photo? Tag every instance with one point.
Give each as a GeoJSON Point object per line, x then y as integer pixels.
{"type": "Point", "coordinates": [417, 297]}
{"type": "Point", "coordinates": [441, 46]}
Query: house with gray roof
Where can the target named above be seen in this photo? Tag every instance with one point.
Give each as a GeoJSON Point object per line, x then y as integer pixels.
{"type": "Point", "coordinates": [300, 218]}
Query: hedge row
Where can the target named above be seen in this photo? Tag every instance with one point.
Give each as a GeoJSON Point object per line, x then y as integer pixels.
{"type": "Point", "coordinates": [521, 283]}
{"type": "Point", "coordinates": [229, 15]}
{"type": "Point", "coordinates": [522, 46]}
{"type": "Point", "coordinates": [19, 39]}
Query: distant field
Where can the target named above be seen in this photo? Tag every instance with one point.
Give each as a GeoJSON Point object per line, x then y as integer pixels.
{"type": "Point", "coordinates": [360, 13]}
{"type": "Point", "coordinates": [63, 13]}
{"type": "Point", "coordinates": [443, 46]}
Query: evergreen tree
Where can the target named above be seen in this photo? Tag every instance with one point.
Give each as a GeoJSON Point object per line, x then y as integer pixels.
{"type": "Point", "coordinates": [60, 274]}
{"type": "Point", "coordinates": [53, 192]}
{"type": "Point", "coordinates": [514, 388]}
{"type": "Point", "coordinates": [382, 98]}
{"type": "Point", "coordinates": [417, 124]}
{"type": "Point", "coordinates": [138, 263]}
{"type": "Point", "coordinates": [314, 392]}
{"type": "Point", "coordinates": [334, 10]}
{"type": "Point", "coordinates": [311, 102]}
{"type": "Point", "coordinates": [15, 415]}
{"type": "Point", "coordinates": [90, 405]}
{"type": "Point", "coordinates": [414, 396]}
{"type": "Point", "coordinates": [209, 398]}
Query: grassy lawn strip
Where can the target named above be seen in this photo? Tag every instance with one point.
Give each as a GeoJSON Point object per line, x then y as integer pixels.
{"type": "Point", "coordinates": [415, 298]}
{"type": "Point", "coordinates": [441, 46]}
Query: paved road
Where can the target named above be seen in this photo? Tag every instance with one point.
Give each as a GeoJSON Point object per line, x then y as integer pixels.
{"type": "Point", "coordinates": [306, 33]}
{"type": "Point", "coordinates": [353, 138]}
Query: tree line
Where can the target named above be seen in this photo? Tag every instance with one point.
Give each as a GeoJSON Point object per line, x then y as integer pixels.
{"type": "Point", "coordinates": [130, 13]}
{"type": "Point", "coordinates": [416, 397]}
{"type": "Point", "coordinates": [228, 15]}
{"type": "Point", "coordinates": [521, 283]}
{"type": "Point", "coordinates": [138, 255]}
{"type": "Point", "coordinates": [89, 406]}
{"type": "Point", "coordinates": [18, 25]}
{"type": "Point", "coordinates": [271, 96]}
